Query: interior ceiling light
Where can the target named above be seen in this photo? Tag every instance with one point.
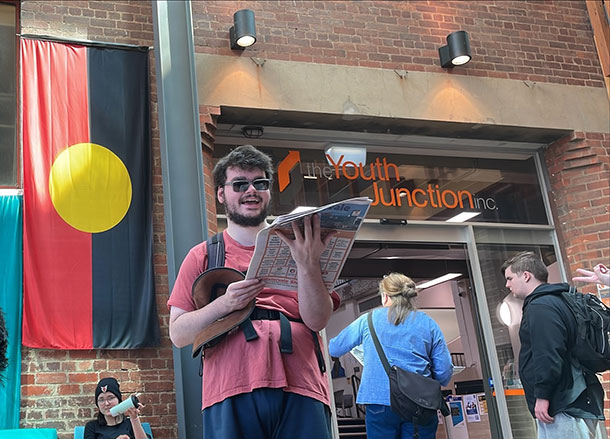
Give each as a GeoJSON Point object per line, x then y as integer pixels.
{"type": "Point", "coordinates": [461, 217]}
{"type": "Point", "coordinates": [457, 50]}
{"type": "Point", "coordinates": [505, 314]}
{"type": "Point", "coordinates": [243, 32]}
{"type": "Point", "coordinates": [346, 154]}
{"type": "Point", "coordinates": [252, 132]}
{"type": "Point", "coordinates": [438, 280]}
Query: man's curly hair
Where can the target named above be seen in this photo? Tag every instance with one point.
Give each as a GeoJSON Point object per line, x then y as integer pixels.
{"type": "Point", "coordinates": [3, 345]}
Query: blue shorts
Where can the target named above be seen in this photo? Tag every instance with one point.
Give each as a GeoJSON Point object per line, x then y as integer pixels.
{"type": "Point", "coordinates": [267, 414]}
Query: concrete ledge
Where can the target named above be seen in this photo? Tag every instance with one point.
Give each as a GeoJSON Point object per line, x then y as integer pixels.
{"type": "Point", "coordinates": [333, 89]}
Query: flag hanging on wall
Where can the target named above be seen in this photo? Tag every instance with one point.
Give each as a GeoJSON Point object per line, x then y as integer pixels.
{"type": "Point", "coordinates": [87, 256]}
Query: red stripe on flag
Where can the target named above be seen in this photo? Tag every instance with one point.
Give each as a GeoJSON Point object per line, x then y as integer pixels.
{"type": "Point", "coordinates": [57, 258]}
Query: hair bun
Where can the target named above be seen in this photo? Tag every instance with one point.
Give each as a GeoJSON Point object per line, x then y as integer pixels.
{"type": "Point", "coordinates": [409, 290]}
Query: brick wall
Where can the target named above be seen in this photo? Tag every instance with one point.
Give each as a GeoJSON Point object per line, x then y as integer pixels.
{"type": "Point", "coordinates": [58, 386]}
{"type": "Point", "coordinates": [544, 41]}
{"type": "Point", "coordinates": [579, 174]}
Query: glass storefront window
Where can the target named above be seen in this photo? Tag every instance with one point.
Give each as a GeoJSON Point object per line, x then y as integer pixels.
{"type": "Point", "coordinates": [505, 312]}
{"type": "Point", "coordinates": [8, 96]}
{"type": "Point", "coordinates": [409, 187]}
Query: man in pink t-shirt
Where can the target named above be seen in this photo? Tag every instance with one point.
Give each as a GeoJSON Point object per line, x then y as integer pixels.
{"type": "Point", "coordinates": [251, 389]}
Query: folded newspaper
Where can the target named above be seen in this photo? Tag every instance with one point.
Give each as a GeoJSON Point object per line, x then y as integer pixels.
{"type": "Point", "coordinates": [272, 260]}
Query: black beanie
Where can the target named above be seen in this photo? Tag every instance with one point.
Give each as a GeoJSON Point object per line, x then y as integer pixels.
{"type": "Point", "coordinates": [108, 385]}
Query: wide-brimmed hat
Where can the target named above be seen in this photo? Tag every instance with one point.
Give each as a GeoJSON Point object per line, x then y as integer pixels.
{"type": "Point", "coordinates": [210, 285]}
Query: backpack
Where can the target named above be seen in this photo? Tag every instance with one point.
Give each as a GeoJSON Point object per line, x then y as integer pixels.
{"type": "Point", "coordinates": [592, 341]}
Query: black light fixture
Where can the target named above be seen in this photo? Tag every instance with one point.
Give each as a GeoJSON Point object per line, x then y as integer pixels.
{"type": "Point", "coordinates": [243, 31]}
{"type": "Point", "coordinates": [457, 50]}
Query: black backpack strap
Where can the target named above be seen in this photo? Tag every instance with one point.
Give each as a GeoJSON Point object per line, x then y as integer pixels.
{"type": "Point", "coordinates": [286, 332]}
{"type": "Point", "coordinates": [319, 356]}
{"type": "Point", "coordinates": [382, 357]}
{"type": "Point", "coordinates": [216, 251]}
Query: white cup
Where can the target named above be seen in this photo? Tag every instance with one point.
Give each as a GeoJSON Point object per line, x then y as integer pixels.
{"type": "Point", "coordinates": [130, 402]}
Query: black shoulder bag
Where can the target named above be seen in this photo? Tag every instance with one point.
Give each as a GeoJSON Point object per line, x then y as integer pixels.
{"type": "Point", "coordinates": [415, 398]}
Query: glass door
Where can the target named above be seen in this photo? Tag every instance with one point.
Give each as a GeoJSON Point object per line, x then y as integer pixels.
{"type": "Point", "coordinates": [501, 315]}
{"type": "Point", "coordinates": [424, 252]}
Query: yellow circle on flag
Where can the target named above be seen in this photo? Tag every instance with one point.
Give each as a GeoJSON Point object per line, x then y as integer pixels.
{"type": "Point", "coordinates": [90, 187]}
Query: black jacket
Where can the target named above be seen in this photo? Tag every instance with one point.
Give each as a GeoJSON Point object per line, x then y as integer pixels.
{"type": "Point", "coordinates": [546, 368]}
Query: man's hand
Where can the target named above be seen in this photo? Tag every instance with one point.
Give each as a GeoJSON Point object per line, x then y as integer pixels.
{"type": "Point", "coordinates": [541, 411]}
{"type": "Point", "coordinates": [240, 293]}
{"type": "Point", "coordinates": [599, 275]}
{"type": "Point", "coordinates": [306, 248]}
{"type": "Point", "coordinates": [185, 325]}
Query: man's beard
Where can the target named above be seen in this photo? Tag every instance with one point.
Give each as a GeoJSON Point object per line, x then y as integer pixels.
{"type": "Point", "coordinates": [246, 221]}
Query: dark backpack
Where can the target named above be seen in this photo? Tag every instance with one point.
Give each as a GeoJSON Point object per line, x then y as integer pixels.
{"type": "Point", "coordinates": [592, 341]}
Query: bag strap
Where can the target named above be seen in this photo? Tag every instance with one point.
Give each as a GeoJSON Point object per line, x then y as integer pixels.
{"type": "Point", "coordinates": [216, 251]}
{"type": "Point", "coordinates": [378, 347]}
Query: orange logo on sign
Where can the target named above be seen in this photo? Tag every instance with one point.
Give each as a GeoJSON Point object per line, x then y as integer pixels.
{"type": "Point", "coordinates": [284, 168]}
{"type": "Point", "coordinates": [382, 170]}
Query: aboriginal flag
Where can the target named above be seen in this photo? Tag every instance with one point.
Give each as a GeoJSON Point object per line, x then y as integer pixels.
{"type": "Point", "coordinates": [87, 249]}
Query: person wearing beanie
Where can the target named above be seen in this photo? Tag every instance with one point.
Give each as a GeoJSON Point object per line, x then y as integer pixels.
{"type": "Point", "coordinates": [411, 341]}
{"type": "Point", "coordinates": [123, 426]}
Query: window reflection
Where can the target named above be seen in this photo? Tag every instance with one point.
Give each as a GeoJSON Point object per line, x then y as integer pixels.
{"type": "Point", "coordinates": [413, 187]}
{"type": "Point", "coordinates": [8, 80]}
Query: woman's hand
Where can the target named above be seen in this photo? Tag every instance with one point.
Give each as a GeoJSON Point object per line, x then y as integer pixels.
{"type": "Point", "coordinates": [134, 412]}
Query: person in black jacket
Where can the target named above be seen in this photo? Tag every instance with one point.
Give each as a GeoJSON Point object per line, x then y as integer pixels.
{"type": "Point", "coordinates": [565, 399]}
{"type": "Point", "coordinates": [123, 426]}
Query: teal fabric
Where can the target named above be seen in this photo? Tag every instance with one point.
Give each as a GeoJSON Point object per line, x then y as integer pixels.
{"type": "Point", "coordinates": [10, 302]}
{"type": "Point", "coordinates": [29, 433]}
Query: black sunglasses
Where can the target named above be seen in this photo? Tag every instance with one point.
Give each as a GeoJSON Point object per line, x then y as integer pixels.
{"type": "Point", "coordinates": [260, 184]}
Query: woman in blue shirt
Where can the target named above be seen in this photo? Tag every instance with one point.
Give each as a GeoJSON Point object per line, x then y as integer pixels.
{"type": "Point", "coordinates": [411, 340]}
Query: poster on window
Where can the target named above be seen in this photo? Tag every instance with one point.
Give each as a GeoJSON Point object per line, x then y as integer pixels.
{"type": "Point", "coordinates": [472, 408]}
{"type": "Point", "coordinates": [482, 403]}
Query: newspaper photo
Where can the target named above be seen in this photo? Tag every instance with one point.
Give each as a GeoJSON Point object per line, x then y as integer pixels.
{"type": "Point", "coordinates": [272, 260]}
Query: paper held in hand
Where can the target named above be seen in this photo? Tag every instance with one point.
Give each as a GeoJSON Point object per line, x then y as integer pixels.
{"type": "Point", "coordinates": [272, 260]}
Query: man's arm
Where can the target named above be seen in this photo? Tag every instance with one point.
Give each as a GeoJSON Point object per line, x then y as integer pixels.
{"type": "Point", "coordinates": [315, 304]}
{"type": "Point", "coordinates": [185, 325]}
{"type": "Point", "coordinates": [549, 340]}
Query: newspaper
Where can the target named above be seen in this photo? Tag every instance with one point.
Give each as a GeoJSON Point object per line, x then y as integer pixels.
{"type": "Point", "coordinates": [273, 262]}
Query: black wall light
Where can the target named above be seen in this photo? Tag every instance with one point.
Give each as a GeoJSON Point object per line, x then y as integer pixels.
{"type": "Point", "coordinates": [243, 31]}
{"type": "Point", "coordinates": [457, 50]}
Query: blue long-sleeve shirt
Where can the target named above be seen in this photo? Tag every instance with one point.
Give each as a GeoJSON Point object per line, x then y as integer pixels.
{"type": "Point", "coordinates": [416, 345]}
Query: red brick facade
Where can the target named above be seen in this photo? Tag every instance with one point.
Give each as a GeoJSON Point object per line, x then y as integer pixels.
{"type": "Point", "coordinates": [539, 41]}
{"type": "Point", "coordinates": [545, 41]}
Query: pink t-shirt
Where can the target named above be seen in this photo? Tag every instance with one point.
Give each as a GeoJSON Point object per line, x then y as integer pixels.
{"type": "Point", "coordinates": [236, 366]}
